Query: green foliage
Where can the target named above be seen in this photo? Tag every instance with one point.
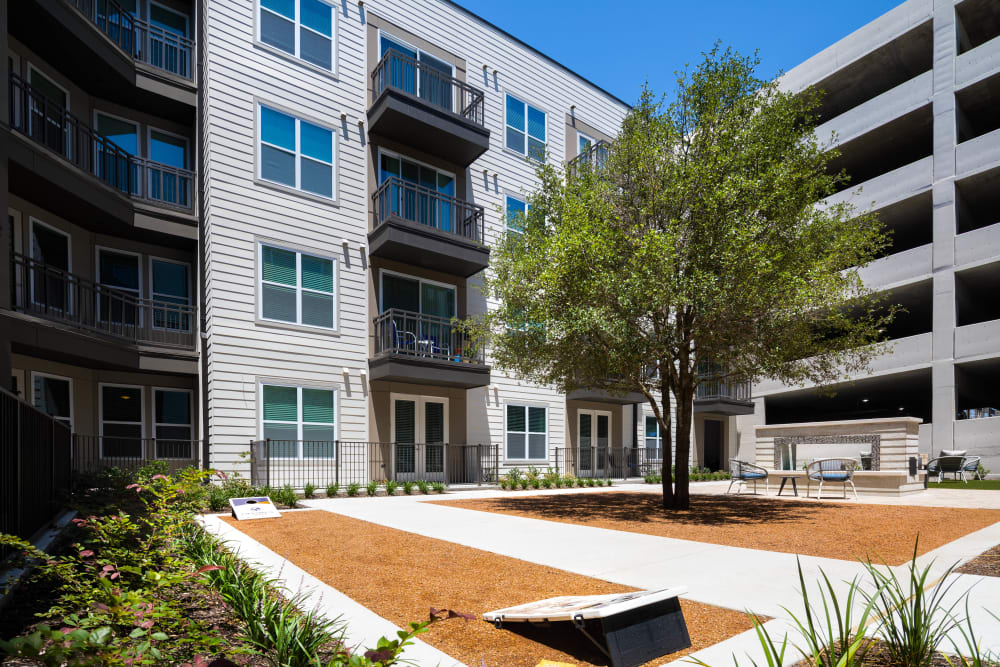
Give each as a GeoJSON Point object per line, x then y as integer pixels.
{"type": "Point", "coordinates": [309, 490]}
{"type": "Point", "coordinates": [408, 487]}
{"type": "Point", "coordinates": [695, 245]}
{"type": "Point", "coordinates": [285, 495]}
{"type": "Point", "coordinates": [372, 488]}
{"type": "Point", "coordinates": [438, 487]}
{"type": "Point", "coordinates": [390, 487]}
{"type": "Point", "coordinates": [332, 490]}
{"type": "Point", "coordinates": [353, 488]}
{"type": "Point", "coordinates": [547, 483]}
{"type": "Point", "coordinates": [424, 486]}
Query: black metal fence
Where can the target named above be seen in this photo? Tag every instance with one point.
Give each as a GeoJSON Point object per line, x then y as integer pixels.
{"type": "Point", "coordinates": [723, 387]}
{"type": "Point", "coordinates": [299, 462]}
{"type": "Point", "coordinates": [403, 73]}
{"type": "Point", "coordinates": [93, 453]}
{"type": "Point", "coordinates": [398, 198]}
{"type": "Point", "coordinates": [609, 462]}
{"type": "Point", "coordinates": [402, 332]}
{"type": "Point", "coordinates": [34, 466]}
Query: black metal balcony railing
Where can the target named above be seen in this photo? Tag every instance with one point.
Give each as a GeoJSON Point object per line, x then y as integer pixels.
{"type": "Point", "coordinates": [93, 453]}
{"type": "Point", "coordinates": [60, 296]}
{"type": "Point", "coordinates": [405, 333]}
{"type": "Point", "coordinates": [145, 43]}
{"type": "Point", "coordinates": [722, 388]}
{"type": "Point", "coordinates": [609, 461]}
{"type": "Point", "coordinates": [415, 203]}
{"type": "Point", "coordinates": [402, 73]}
{"type": "Point", "coordinates": [593, 158]}
{"type": "Point", "coordinates": [38, 118]}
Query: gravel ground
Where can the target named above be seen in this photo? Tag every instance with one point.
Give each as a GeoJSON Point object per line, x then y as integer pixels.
{"type": "Point", "coordinates": [986, 564]}
{"type": "Point", "coordinates": [847, 532]}
{"type": "Point", "coordinates": [399, 576]}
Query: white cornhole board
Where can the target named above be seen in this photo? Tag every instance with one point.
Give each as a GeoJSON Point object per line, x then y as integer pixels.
{"type": "Point", "coordinates": [259, 507]}
{"type": "Point", "coordinates": [629, 628]}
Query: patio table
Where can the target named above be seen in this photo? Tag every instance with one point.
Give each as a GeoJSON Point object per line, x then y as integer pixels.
{"type": "Point", "coordinates": [785, 477]}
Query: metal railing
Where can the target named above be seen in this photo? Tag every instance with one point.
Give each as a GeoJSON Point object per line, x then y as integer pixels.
{"type": "Point", "coordinates": [609, 462]}
{"type": "Point", "coordinates": [145, 43]}
{"type": "Point", "coordinates": [93, 453]}
{"type": "Point", "coordinates": [34, 467]}
{"type": "Point", "coordinates": [415, 203]}
{"type": "Point", "coordinates": [402, 332]}
{"type": "Point", "coordinates": [163, 49]}
{"type": "Point", "coordinates": [593, 157]}
{"type": "Point", "coordinates": [276, 463]}
{"type": "Point", "coordinates": [54, 294]}
{"type": "Point", "coordinates": [402, 73]}
{"type": "Point", "coordinates": [44, 122]}
{"type": "Point", "coordinates": [722, 387]}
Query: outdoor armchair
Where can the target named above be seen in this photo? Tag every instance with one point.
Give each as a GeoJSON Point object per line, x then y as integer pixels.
{"type": "Point", "coordinates": [838, 471]}
{"type": "Point", "coordinates": [744, 472]}
{"type": "Point", "coordinates": [957, 466]}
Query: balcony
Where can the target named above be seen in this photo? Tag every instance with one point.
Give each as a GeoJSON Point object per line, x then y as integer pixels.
{"type": "Point", "coordinates": [593, 158]}
{"type": "Point", "coordinates": [71, 300]}
{"type": "Point", "coordinates": [722, 396]}
{"type": "Point", "coordinates": [421, 107]}
{"type": "Point", "coordinates": [420, 226]}
{"type": "Point", "coordinates": [61, 133]}
{"type": "Point", "coordinates": [425, 349]}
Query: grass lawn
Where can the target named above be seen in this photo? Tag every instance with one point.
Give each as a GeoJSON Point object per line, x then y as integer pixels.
{"type": "Point", "coordinates": [973, 484]}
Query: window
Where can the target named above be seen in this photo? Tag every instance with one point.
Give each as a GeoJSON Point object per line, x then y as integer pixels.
{"type": "Point", "coordinates": [53, 395]}
{"type": "Point", "coordinates": [517, 209]}
{"type": "Point", "coordinates": [412, 195]}
{"type": "Point", "coordinates": [525, 129]}
{"type": "Point", "coordinates": [119, 271]}
{"type": "Point", "coordinates": [170, 292]}
{"type": "Point", "coordinates": [172, 424]}
{"type": "Point", "coordinates": [121, 421]}
{"type": "Point", "coordinates": [167, 185]}
{"type": "Point", "coordinates": [302, 28]}
{"type": "Point", "coordinates": [431, 82]}
{"type": "Point", "coordinates": [583, 143]}
{"type": "Point", "coordinates": [300, 421]}
{"type": "Point", "coordinates": [51, 285]}
{"type": "Point", "coordinates": [654, 439]}
{"type": "Point", "coordinates": [526, 436]}
{"type": "Point", "coordinates": [297, 288]}
{"type": "Point", "coordinates": [296, 153]}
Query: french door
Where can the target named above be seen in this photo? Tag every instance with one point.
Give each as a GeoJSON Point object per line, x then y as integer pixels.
{"type": "Point", "coordinates": [593, 430]}
{"type": "Point", "coordinates": [419, 431]}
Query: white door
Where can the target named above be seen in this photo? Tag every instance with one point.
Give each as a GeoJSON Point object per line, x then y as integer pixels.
{"type": "Point", "coordinates": [419, 431]}
{"type": "Point", "coordinates": [593, 429]}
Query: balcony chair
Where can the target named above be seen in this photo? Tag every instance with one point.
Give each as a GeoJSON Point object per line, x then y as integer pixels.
{"type": "Point", "coordinates": [957, 464]}
{"type": "Point", "coordinates": [403, 340]}
{"type": "Point", "coordinates": [744, 472]}
{"type": "Point", "coordinates": [840, 471]}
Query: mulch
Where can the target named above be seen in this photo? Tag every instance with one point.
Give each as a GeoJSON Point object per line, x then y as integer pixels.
{"type": "Point", "coordinates": [986, 564]}
{"type": "Point", "coordinates": [885, 533]}
{"type": "Point", "coordinates": [400, 575]}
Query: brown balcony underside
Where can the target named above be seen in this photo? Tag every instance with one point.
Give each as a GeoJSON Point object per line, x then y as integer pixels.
{"type": "Point", "coordinates": [416, 370]}
{"type": "Point", "coordinates": [421, 245]}
{"type": "Point", "coordinates": [723, 406]}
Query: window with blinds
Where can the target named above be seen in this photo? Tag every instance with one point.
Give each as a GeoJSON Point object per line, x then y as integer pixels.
{"type": "Point", "coordinates": [654, 440]}
{"type": "Point", "coordinates": [300, 422]}
{"type": "Point", "coordinates": [526, 434]}
{"type": "Point", "coordinates": [525, 128]}
{"type": "Point", "coordinates": [297, 288]}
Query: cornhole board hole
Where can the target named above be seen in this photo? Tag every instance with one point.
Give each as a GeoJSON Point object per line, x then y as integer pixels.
{"type": "Point", "coordinates": [628, 628]}
{"type": "Point", "coordinates": [259, 507]}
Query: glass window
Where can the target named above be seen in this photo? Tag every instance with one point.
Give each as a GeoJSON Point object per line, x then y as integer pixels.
{"type": "Point", "coordinates": [118, 274]}
{"type": "Point", "coordinates": [525, 129]}
{"type": "Point", "coordinates": [296, 153]}
{"type": "Point", "coordinates": [584, 143]}
{"type": "Point", "coordinates": [124, 133]}
{"type": "Point", "coordinates": [53, 396]}
{"type": "Point", "coordinates": [302, 28]}
{"type": "Point", "coordinates": [172, 424]}
{"type": "Point", "coordinates": [121, 422]}
{"type": "Point", "coordinates": [297, 288]}
{"type": "Point", "coordinates": [431, 82]}
{"type": "Point", "coordinates": [516, 210]}
{"type": "Point", "coordinates": [170, 292]}
{"type": "Point", "coordinates": [299, 421]}
{"type": "Point", "coordinates": [654, 440]}
{"type": "Point", "coordinates": [526, 434]}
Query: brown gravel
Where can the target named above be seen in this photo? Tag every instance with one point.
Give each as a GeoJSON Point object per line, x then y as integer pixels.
{"type": "Point", "coordinates": [986, 564]}
{"type": "Point", "coordinates": [848, 532]}
{"type": "Point", "coordinates": [399, 576]}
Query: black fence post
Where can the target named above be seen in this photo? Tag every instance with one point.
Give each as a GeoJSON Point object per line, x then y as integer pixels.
{"type": "Point", "coordinates": [267, 458]}
{"type": "Point", "coordinates": [336, 462]}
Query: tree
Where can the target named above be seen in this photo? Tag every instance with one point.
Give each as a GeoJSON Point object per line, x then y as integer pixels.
{"type": "Point", "coordinates": [695, 239]}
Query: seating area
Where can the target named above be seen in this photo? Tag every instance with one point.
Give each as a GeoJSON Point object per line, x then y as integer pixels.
{"type": "Point", "coordinates": [955, 463]}
{"type": "Point", "coordinates": [743, 472]}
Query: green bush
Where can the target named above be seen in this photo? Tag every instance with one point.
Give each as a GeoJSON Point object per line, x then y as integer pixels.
{"type": "Point", "coordinates": [524, 484]}
{"type": "Point", "coordinates": [438, 487]}
{"type": "Point", "coordinates": [286, 496]}
{"type": "Point", "coordinates": [372, 488]}
{"type": "Point", "coordinates": [536, 483]}
{"type": "Point", "coordinates": [408, 487]}
{"type": "Point", "coordinates": [332, 490]}
{"type": "Point", "coordinates": [503, 483]}
{"type": "Point", "coordinates": [353, 488]}
{"type": "Point", "coordinates": [424, 486]}
{"type": "Point", "coordinates": [390, 487]}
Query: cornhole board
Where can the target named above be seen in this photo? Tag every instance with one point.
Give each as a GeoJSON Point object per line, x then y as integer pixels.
{"type": "Point", "coordinates": [259, 507]}
{"type": "Point", "coordinates": [629, 628]}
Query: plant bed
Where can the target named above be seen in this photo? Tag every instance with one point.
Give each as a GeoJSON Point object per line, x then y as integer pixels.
{"type": "Point", "coordinates": [986, 564]}
{"type": "Point", "coordinates": [844, 531]}
{"type": "Point", "coordinates": [413, 572]}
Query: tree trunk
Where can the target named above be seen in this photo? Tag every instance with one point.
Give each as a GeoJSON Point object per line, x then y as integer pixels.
{"type": "Point", "coordinates": [665, 441]}
{"type": "Point", "coordinates": [685, 399]}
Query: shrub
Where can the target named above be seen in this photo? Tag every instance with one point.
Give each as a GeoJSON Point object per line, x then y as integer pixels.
{"type": "Point", "coordinates": [408, 487]}
{"type": "Point", "coordinates": [524, 484]}
{"type": "Point", "coordinates": [372, 488]}
{"type": "Point", "coordinates": [503, 483]}
{"type": "Point", "coordinates": [309, 490]}
{"type": "Point", "coordinates": [353, 488]}
{"type": "Point", "coordinates": [608, 482]}
{"type": "Point", "coordinates": [438, 487]}
{"type": "Point", "coordinates": [390, 487]}
{"type": "Point", "coordinates": [423, 486]}
{"type": "Point", "coordinates": [547, 483]}
{"type": "Point", "coordinates": [286, 496]}
{"type": "Point", "coordinates": [568, 480]}
{"type": "Point", "coordinates": [581, 482]}
{"type": "Point", "coordinates": [536, 483]}
{"type": "Point", "coordinates": [332, 490]}
{"type": "Point", "coordinates": [514, 477]}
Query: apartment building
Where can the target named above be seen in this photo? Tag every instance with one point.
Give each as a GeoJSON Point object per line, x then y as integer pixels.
{"type": "Point", "coordinates": [913, 99]}
{"type": "Point", "coordinates": [249, 221]}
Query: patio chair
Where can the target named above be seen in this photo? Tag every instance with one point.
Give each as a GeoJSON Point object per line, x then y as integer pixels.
{"type": "Point", "coordinates": [956, 465]}
{"type": "Point", "coordinates": [971, 467]}
{"type": "Point", "coordinates": [838, 471]}
{"type": "Point", "coordinates": [744, 472]}
{"type": "Point", "coordinates": [402, 340]}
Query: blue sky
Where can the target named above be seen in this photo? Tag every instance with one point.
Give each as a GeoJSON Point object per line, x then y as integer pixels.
{"type": "Point", "coordinates": [618, 45]}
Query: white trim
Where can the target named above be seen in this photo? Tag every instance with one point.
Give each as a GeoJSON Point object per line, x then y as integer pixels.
{"type": "Point", "coordinates": [525, 432]}
{"type": "Point", "coordinates": [506, 213]}
{"type": "Point", "coordinates": [299, 423]}
{"type": "Point", "coordinates": [296, 26]}
{"type": "Point", "coordinates": [32, 221]}
{"type": "Point", "coordinates": [258, 289]}
{"type": "Point", "coordinates": [32, 68]}
{"type": "Point", "coordinates": [401, 156]}
{"type": "Point", "coordinates": [419, 426]}
{"type": "Point", "coordinates": [97, 279]}
{"type": "Point", "coordinates": [67, 108]}
{"type": "Point", "coordinates": [420, 296]}
{"type": "Point", "coordinates": [190, 423]}
{"type": "Point", "coordinates": [522, 99]}
{"type": "Point", "coordinates": [51, 376]}
{"type": "Point", "coordinates": [258, 141]}
{"type": "Point", "coordinates": [100, 413]}
{"type": "Point", "coordinates": [582, 135]}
